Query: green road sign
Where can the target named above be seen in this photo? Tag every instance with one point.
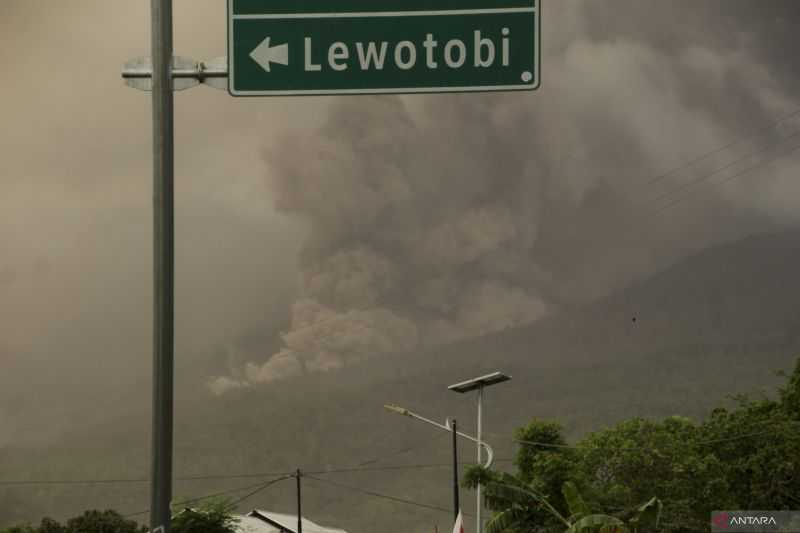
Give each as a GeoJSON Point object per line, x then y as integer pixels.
{"type": "Point", "coordinates": [289, 47]}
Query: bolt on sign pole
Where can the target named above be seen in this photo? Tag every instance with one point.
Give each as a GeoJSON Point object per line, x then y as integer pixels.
{"type": "Point", "coordinates": [163, 265]}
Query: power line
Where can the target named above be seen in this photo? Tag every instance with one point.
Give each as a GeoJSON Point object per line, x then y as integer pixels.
{"type": "Point", "coordinates": [642, 230]}
{"type": "Point", "coordinates": [207, 497]}
{"type": "Point", "coordinates": [236, 502]}
{"type": "Point", "coordinates": [231, 476]}
{"type": "Point", "coordinates": [694, 183]}
{"type": "Point", "coordinates": [706, 155]}
{"type": "Point", "coordinates": [379, 495]}
{"type": "Point", "coordinates": [119, 481]}
{"type": "Point", "coordinates": [12, 483]}
{"type": "Point", "coordinates": [761, 163]}
{"type": "Point", "coordinates": [401, 451]}
{"type": "Point", "coordinates": [548, 444]}
{"type": "Point", "coordinates": [400, 467]}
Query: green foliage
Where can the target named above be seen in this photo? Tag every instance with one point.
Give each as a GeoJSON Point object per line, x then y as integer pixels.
{"type": "Point", "coordinates": [790, 395]}
{"type": "Point", "coordinates": [597, 522]}
{"type": "Point", "coordinates": [97, 522]}
{"type": "Point", "coordinates": [19, 529]}
{"type": "Point", "coordinates": [747, 457]}
{"type": "Point", "coordinates": [49, 525]}
{"type": "Point", "coordinates": [209, 518]}
{"type": "Point", "coordinates": [89, 522]}
{"type": "Point", "coordinates": [575, 503]}
{"type": "Point", "coordinates": [522, 509]}
{"type": "Point", "coordinates": [214, 517]}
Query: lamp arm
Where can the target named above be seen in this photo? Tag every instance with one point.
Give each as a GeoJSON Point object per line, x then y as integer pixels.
{"type": "Point", "coordinates": [445, 427]}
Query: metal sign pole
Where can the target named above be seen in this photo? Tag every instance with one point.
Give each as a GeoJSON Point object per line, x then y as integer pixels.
{"type": "Point", "coordinates": [163, 74]}
{"type": "Point", "coordinates": [163, 265]}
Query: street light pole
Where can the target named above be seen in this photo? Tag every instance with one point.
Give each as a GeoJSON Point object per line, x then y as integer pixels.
{"type": "Point", "coordinates": [456, 504]}
{"type": "Point", "coordinates": [479, 504]}
{"type": "Point", "coordinates": [163, 265]}
{"type": "Point", "coordinates": [479, 384]}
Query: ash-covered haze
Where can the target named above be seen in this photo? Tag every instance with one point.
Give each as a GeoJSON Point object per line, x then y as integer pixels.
{"type": "Point", "coordinates": [329, 251]}
{"type": "Point", "coordinates": [438, 218]}
{"type": "Point", "coordinates": [75, 213]}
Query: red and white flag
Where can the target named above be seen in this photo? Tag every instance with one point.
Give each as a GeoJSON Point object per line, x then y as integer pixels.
{"type": "Point", "coordinates": [459, 525]}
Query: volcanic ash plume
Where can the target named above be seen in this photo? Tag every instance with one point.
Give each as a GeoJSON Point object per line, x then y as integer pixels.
{"type": "Point", "coordinates": [436, 218]}
{"type": "Point", "coordinates": [420, 233]}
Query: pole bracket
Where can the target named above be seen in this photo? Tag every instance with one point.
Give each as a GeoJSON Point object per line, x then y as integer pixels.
{"type": "Point", "coordinates": [186, 73]}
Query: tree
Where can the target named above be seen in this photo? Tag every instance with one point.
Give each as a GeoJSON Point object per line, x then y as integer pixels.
{"type": "Point", "coordinates": [100, 522]}
{"type": "Point", "coordinates": [89, 522]}
{"type": "Point", "coordinates": [19, 529]}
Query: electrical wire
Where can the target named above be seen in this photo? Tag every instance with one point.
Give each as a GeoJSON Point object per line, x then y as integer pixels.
{"type": "Point", "coordinates": [698, 181]}
{"type": "Point", "coordinates": [744, 172]}
{"type": "Point", "coordinates": [398, 467]}
{"type": "Point", "coordinates": [209, 496]}
{"type": "Point", "coordinates": [266, 485]}
{"type": "Point", "coordinates": [379, 495]}
{"type": "Point", "coordinates": [119, 481]}
{"type": "Point", "coordinates": [757, 133]}
{"type": "Point", "coordinates": [401, 451]}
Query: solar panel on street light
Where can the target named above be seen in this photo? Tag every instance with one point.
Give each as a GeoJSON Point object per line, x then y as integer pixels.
{"type": "Point", "coordinates": [476, 383]}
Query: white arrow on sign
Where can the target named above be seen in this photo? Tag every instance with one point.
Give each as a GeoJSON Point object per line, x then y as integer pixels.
{"type": "Point", "coordinates": [264, 54]}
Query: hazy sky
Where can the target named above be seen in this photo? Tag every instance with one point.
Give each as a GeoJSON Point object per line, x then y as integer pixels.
{"type": "Point", "coordinates": [425, 218]}
{"type": "Point", "coordinates": [75, 198]}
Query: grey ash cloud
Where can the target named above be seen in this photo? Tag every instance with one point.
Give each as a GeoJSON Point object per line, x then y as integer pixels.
{"type": "Point", "coordinates": [443, 217]}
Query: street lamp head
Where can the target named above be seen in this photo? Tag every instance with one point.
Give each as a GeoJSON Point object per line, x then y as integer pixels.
{"type": "Point", "coordinates": [397, 409]}
{"type": "Point", "coordinates": [478, 383]}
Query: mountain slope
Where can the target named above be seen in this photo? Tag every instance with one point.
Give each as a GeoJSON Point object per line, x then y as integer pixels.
{"type": "Point", "coordinates": [716, 324]}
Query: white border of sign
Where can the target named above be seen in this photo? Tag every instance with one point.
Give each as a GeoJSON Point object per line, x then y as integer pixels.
{"type": "Point", "coordinates": [536, 9]}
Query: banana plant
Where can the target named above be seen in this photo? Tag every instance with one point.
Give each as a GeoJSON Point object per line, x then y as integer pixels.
{"type": "Point", "coordinates": [516, 499]}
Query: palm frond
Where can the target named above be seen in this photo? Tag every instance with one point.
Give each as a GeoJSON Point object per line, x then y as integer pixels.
{"type": "Point", "coordinates": [598, 521]}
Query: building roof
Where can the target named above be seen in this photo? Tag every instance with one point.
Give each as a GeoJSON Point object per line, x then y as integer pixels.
{"type": "Point", "coordinates": [287, 523]}
{"type": "Point", "coordinates": [249, 524]}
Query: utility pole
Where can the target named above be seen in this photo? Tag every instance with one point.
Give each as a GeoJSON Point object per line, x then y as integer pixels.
{"type": "Point", "coordinates": [479, 384]}
{"type": "Point", "coordinates": [456, 506]}
{"type": "Point", "coordinates": [163, 265]}
{"type": "Point", "coordinates": [299, 505]}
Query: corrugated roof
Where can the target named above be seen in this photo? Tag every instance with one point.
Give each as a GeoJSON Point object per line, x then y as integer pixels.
{"type": "Point", "coordinates": [250, 524]}
{"type": "Point", "coordinates": [289, 522]}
